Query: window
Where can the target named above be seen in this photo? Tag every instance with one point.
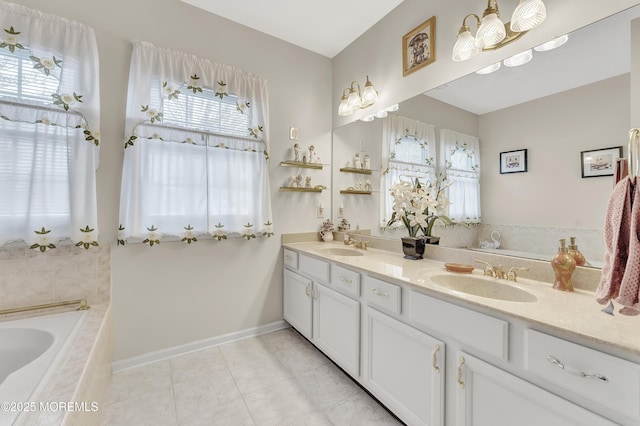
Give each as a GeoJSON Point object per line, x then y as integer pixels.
{"type": "Point", "coordinates": [49, 130]}
{"type": "Point", "coordinates": [462, 167]}
{"type": "Point", "coordinates": [408, 151]}
{"type": "Point", "coordinates": [195, 158]}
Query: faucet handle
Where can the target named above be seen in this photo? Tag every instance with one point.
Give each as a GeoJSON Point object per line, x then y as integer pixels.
{"type": "Point", "coordinates": [488, 270]}
{"type": "Point", "coordinates": [498, 272]}
{"type": "Point", "coordinates": [512, 276]}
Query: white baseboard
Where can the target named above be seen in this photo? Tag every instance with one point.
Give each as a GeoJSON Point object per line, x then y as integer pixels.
{"type": "Point", "coordinates": [163, 354]}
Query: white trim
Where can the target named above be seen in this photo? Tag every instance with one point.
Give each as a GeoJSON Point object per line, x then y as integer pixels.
{"type": "Point", "coordinates": [171, 352]}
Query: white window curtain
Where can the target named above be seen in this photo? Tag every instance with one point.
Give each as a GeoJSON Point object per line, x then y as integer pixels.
{"type": "Point", "coordinates": [196, 150]}
{"type": "Point", "coordinates": [49, 129]}
{"type": "Point", "coordinates": [461, 158]}
{"type": "Point", "coordinates": [408, 152]}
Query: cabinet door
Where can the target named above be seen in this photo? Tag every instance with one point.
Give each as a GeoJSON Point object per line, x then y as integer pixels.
{"type": "Point", "coordinates": [405, 369]}
{"type": "Point", "coordinates": [336, 327]}
{"type": "Point", "coordinates": [490, 396]}
{"type": "Point", "coordinates": [297, 302]}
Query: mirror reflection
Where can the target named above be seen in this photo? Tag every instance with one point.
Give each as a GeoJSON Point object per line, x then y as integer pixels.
{"type": "Point", "coordinates": [573, 99]}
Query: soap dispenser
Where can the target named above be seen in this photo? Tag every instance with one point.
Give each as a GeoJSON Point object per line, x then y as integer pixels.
{"type": "Point", "coordinates": [577, 255]}
{"type": "Point", "coordinates": [563, 265]}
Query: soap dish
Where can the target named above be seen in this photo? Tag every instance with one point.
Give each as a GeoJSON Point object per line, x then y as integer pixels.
{"type": "Point", "coordinates": [458, 267]}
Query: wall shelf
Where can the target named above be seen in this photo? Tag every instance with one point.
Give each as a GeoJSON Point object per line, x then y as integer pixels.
{"type": "Point", "coordinates": [359, 171]}
{"type": "Point", "coordinates": [293, 189]}
{"type": "Point", "coordinates": [316, 166]}
{"type": "Point", "coordinates": [349, 191]}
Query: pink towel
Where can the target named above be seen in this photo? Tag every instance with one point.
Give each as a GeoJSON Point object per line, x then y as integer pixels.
{"type": "Point", "coordinates": [617, 229]}
{"type": "Point", "coordinates": [630, 285]}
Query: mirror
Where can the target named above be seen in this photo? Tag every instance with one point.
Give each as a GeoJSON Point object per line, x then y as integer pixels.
{"type": "Point", "coordinates": [564, 102]}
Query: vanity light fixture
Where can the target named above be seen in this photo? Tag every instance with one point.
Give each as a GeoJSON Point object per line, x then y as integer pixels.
{"type": "Point", "coordinates": [488, 70]}
{"type": "Point", "coordinates": [518, 59]}
{"type": "Point", "coordinates": [552, 44]}
{"type": "Point", "coordinates": [380, 114]}
{"type": "Point", "coordinates": [353, 99]}
{"type": "Point", "coordinates": [492, 33]}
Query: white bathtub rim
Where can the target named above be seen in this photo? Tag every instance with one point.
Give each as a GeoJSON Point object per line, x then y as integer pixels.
{"type": "Point", "coordinates": [28, 382]}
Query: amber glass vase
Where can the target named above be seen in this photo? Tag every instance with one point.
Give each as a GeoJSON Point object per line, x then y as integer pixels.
{"type": "Point", "coordinates": [563, 265]}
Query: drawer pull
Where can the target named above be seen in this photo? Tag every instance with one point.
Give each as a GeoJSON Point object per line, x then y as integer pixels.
{"type": "Point", "coordinates": [572, 370]}
{"type": "Point", "coordinates": [288, 257]}
{"type": "Point", "coordinates": [346, 280]}
{"type": "Point", "coordinates": [434, 359]}
{"type": "Point", "coordinates": [306, 290]}
{"type": "Point", "coordinates": [459, 378]}
{"type": "Point", "coordinates": [377, 293]}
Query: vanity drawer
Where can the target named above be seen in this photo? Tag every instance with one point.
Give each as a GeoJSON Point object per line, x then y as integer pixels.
{"type": "Point", "coordinates": [602, 378]}
{"type": "Point", "coordinates": [382, 294]}
{"type": "Point", "coordinates": [345, 280]}
{"type": "Point", "coordinates": [316, 268]}
{"type": "Point", "coordinates": [472, 329]}
{"type": "Point", "coordinates": [290, 258]}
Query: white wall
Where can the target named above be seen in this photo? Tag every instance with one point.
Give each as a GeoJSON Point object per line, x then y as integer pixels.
{"type": "Point", "coordinates": [173, 294]}
{"type": "Point", "coordinates": [635, 72]}
{"type": "Point", "coordinates": [552, 192]}
{"type": "Point", "coordinates": [377, 53]}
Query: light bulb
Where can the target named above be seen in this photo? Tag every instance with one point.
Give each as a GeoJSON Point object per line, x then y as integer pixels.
{"type": "Point", "coordinates": [465, 47]}
{"type": "Point", "coordinates": [354, 101]}
{"type": "Point", "coordinates": [488, 70]}
{"type": "Point", "coordinates": [552, 44]}
{"type": "Point", "coordinates": [369, 95]}
{"type": "Point", "coordinates": [519, 59]}
{"type": "Point", "coordinates": [343, 108]}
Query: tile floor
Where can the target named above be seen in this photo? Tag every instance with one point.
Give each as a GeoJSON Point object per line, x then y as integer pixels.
{"type": "Point", "coordinates": [278, 379]}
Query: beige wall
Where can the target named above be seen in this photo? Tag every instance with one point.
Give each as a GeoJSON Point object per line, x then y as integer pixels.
{"type": "Point", "coordinates": [552, 192]}
{"type": "Point", "coordinates": [377, 53]}
{"type": "Point", "coordinates": [173, 294]}
{"type": "Point", "coordinates": [635, 72]}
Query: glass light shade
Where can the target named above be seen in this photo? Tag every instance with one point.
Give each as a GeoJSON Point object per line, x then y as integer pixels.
{"type": "Point", "coordinates": [465, 47]}
{"type": "Point", "coordinates": [491, 31]}
{"type": "Point", "coordinates": [552, 44]}
{"type": "Point", "coordinates": [393, 108]}
{"type": "Point", "coordinates": [367, 118]}
{"type": "Point", "coordinates": [354, 101]}
{"type": "Point", "coordinates": [488, 70]}
{"type": "Point", "coordinates": [369, 95]}
{"type": "Point", "coordinates": [519, 59]}
{"type": "Point", "coordinates": [344, 109]}
{"type": "Point", "coordinates": [528, 14]}
{"type": "Point", "coordinates": [381, 114]}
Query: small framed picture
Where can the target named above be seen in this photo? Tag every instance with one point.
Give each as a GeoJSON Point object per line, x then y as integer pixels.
{"type": "Point", "coordinates": [513, 161]}
{"type": "Point", "coordinates": [419, 47]}
{"type": "Point", "coordinates": [600, 162]}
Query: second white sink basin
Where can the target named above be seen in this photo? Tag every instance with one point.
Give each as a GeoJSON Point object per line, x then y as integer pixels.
{"type": "Point", "coordinates": [489, 288]}
{"type": "Point", "coordinates": [339, 251]}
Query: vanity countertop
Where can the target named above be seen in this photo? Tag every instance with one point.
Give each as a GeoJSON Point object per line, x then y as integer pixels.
{"type": "Point", "coordinates": [572, 315]}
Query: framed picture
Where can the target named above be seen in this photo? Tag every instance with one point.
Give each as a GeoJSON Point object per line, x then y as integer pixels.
{"type": "Point", "coordinates": [513, 161]}
{"type": "Point", "coordinates": [419, 47]}
{"type": "Point", "coordinates": [600, 162]}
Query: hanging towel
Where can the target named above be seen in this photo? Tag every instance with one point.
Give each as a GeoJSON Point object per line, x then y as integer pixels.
{"type": "Point", "coordinates": [617, 230]}
{"type": "Point", "coordinates": [630, 285]}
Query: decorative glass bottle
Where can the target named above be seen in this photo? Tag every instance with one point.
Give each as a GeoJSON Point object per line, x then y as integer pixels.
{"type": "Point", "coordinates": [577, 255]}
{"type": "Point", "coordinates": [563, 265]}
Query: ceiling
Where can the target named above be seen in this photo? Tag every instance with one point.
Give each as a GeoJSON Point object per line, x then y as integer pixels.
{"type": "Point", "coordinates": [325, 27]}
{"type": "Point", "coordinates": [596, 52]}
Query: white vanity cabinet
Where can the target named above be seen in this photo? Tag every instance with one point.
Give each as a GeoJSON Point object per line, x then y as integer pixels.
{"type": "Point", "coordinates": [298, 302]}
{"type": "Point", "coordinates": [336, 327]}
{"type": "Point", "coordinates": [487, 395]}
{"type": "Point", "coordinates": [404, 369]}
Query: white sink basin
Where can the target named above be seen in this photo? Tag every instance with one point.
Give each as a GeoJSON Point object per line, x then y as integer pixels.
{"type": "Point", "coordinates": [339, 251]}
{"type": "Point", "coordinates": [489, 288]}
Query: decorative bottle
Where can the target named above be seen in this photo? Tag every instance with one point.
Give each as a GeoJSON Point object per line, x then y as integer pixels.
{"type": "Point", "coordinates": [577, 255]}
{"type": "Point", "coordinates": [563, 265]}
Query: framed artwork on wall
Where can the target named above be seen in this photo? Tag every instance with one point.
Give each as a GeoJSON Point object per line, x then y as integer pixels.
{"type": "Point", "coordinates": [600, 162]}
{"type": "Point", "coordinates": [419, 47]}
{"type": "Point", "coordinates": [513, 161]}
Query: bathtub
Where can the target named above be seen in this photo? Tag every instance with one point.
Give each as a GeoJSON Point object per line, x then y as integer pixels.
{"type": "Point", "coordinates": [29, 348]}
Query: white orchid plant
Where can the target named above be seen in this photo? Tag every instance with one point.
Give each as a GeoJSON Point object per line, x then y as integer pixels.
{"type": "Point", "coordinates": [419, 206]}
